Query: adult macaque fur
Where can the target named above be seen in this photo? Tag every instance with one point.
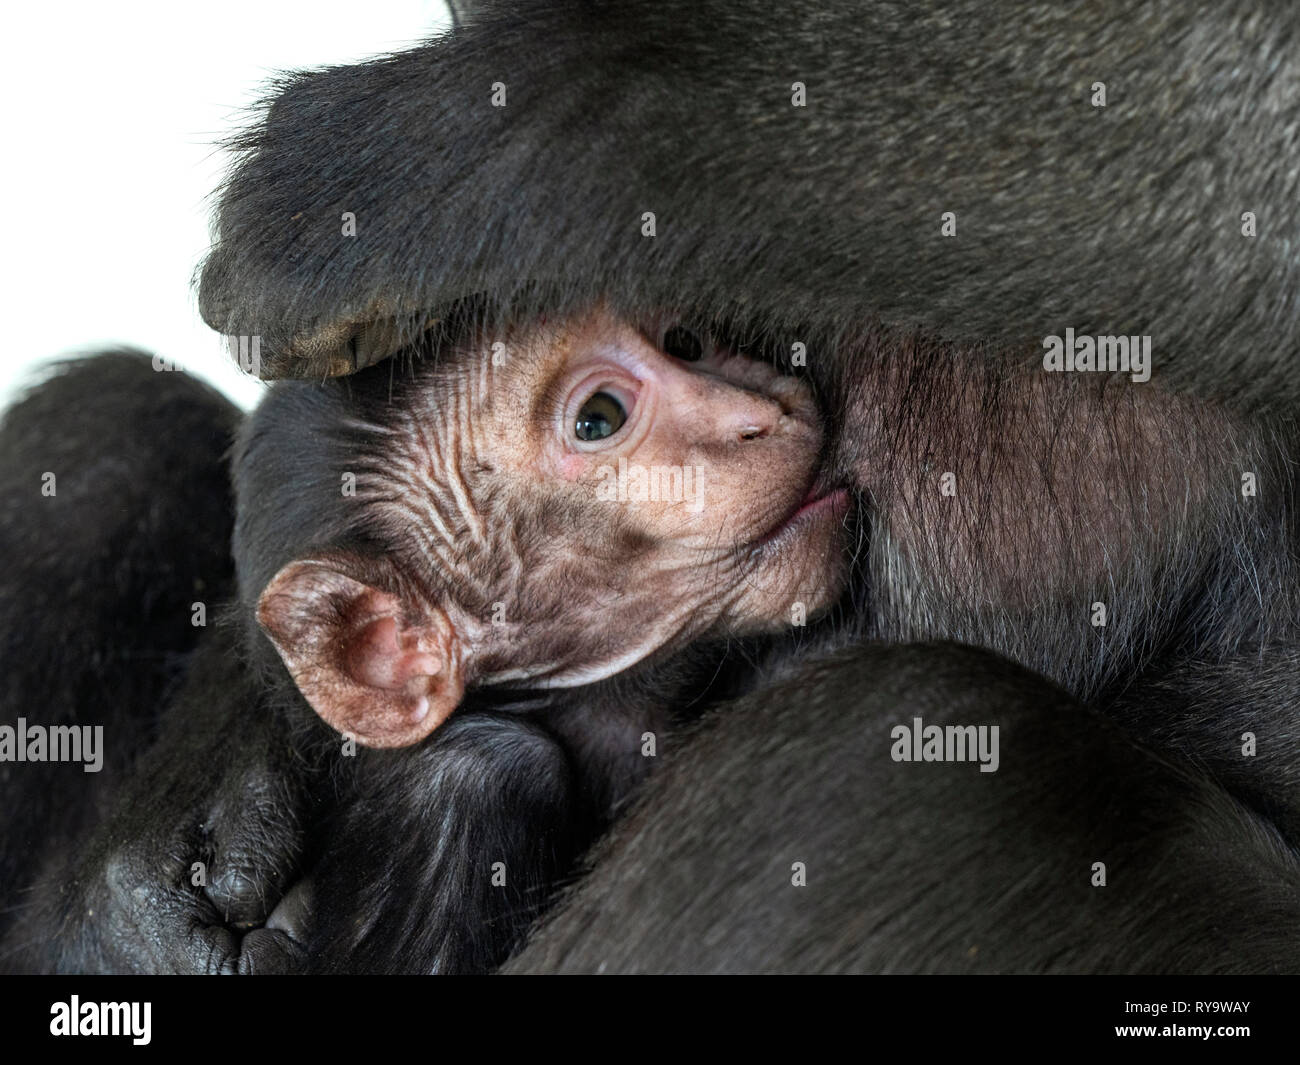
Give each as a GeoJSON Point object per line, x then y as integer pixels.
{"type": "Point", "coordinates": [99, 606]}
{"type": "Point", "coordinates": [1066, 491]}
{"type": "Point", "coordinates": [1113, 220]}
{"type": "Point", "coordinates": [788, 777]}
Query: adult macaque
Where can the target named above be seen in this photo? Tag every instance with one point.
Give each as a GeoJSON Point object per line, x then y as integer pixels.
{"type": "Point", "coordinates": [978, 180]}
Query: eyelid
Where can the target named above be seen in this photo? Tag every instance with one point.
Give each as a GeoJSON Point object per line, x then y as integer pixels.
{"type": "Point", "coordinates": [656, 334]}
{"type": "Point", "coordinates": [622, 386]}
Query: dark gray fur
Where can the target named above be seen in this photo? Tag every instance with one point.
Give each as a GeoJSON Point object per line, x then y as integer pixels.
{"type": "Point", "coordinates": [1123, 219]}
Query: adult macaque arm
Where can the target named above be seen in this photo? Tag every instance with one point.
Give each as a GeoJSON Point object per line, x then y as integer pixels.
{"type": "Point", "coordinates": [1092, 170]}
{"type": "Point", "coordinates": [101, 617]}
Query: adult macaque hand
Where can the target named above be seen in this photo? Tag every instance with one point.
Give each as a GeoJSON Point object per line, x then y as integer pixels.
{"type": "Point", "coordinates": [189, 888]}
{"type": "Point", "coordinates": [186, 872]}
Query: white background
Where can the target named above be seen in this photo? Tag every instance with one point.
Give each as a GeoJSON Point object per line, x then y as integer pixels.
{"type": "Point", "coordinates": [111, 117]}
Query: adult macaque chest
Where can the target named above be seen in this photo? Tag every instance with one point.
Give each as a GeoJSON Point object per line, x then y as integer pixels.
{"type": "Point", "coordinates": [602, 495]}
{"type": "Point", "coordinates": [991, 487]}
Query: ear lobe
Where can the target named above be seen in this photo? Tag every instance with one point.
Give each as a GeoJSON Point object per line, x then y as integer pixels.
{"type": "Point", "coordinates": [365, 663]}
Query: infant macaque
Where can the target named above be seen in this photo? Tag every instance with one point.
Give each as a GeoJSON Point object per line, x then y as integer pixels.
{"type": "Point", "coordinates": [545, 516]}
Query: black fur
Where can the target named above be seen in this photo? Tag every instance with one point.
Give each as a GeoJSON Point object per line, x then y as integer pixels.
{"type": "Point", "coordinates": [99, 579]}
{"type": "Point", "coordinates": [1122, 219]}
{"type": "Point", "coordinates": [927, 867]}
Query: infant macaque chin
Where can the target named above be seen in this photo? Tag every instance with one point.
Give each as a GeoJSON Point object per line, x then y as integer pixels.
{"type": "Point", "coordinates": [550, 515]}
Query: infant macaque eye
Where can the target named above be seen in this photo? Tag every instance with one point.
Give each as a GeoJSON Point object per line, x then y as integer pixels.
{"type": "Point", "coordinates": [681, 343]}
{"type": "Point", "coordinates": [601, 416]}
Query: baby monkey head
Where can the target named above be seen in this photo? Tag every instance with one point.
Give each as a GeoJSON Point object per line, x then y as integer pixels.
{"type": "Point", "coordinates": [544, 511]}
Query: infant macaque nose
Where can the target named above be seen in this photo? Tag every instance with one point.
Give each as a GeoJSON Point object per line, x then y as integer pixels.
{"type": "Point", "coordinates": [751, 415]}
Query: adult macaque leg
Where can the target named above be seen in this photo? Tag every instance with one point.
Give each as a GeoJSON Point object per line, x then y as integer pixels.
{"type": "Point", "coordinates": [196, 853]}
{"type": "Point", "coordinates": [788, 838]}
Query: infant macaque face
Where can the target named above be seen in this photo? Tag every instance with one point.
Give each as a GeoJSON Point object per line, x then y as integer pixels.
{"type": "Point", "coordinates": [692, 470]}
{"type": "Point", "coordinates": [559, 508]}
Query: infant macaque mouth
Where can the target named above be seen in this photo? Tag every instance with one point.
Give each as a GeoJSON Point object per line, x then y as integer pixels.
{"type": "Point", "coordinates": [818, 500]}
{"type": "Point", "coordinates": [815, 492]}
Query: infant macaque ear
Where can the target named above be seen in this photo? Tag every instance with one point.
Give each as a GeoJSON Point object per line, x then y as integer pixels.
{"type": "Point", "coordinates": [365, 664]}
